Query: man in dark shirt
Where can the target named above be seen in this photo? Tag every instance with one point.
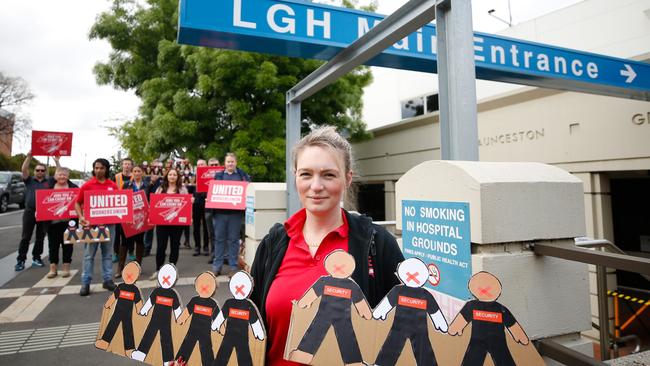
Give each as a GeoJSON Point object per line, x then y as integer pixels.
{"type": "Point", "coordinates": [238, 314]}
{"type": "Point", "coordinates": [338, 293]}
{"type": "Point", "coordinates": [203, 310]}
{"type": "Point", "coordinates": [126, 295]}
{"type": "Point", "coordinates": [32, 184]}
{"type": "Point", "coordinates": [489, 321]}
{"type": "Point", "coordinates": [227, 223]}
{"type": "Point", "coordinates": [164, 301]}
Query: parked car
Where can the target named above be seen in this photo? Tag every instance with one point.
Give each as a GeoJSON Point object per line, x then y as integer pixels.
{"type": "Point", "coordinates": [78, 182]}
{"type": "Point", "coordinates": [12, 190]}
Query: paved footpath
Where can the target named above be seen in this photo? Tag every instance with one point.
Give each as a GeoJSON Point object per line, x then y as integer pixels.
{"type": "Point", "coordinates": [45, 321]}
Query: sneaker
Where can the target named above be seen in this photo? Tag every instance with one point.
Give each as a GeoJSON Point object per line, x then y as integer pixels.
{"type": "Point", "coordinates": [210, 261]}
{"type": "Point", "coordinates": [207, 254]}
{"type": "Point", "coordinates": [85, 290]}
{"type": "Point", "coordinates": [115, 258]}
{"type": "Point", "coordinates": [37, 262]}
{"type": "Point", "coordinates": [19, 266]}
{"type": "Point", "coordinates": [187, 245]}
{"type": "Point", "coordinates": [196, 254]}
{"type": "Point", "coordinates": [131, 257]}
{"type": "Point", "coordinates": [109, 285]}
{"type": "Point", "coordinates": [154, 276]}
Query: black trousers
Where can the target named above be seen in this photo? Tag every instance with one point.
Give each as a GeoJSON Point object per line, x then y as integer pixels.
{"type": "Point", "coordinates": [55, 240]}
{"type": "Point", "coordinates": [119, 240]}
{"type": "Point", "coordinates": [394, 343]}
{"type": "Point", "coordinates": [200, 225]}
{"type": "Point", "coordinates": [29, 222]}
{"type": "Point", "coordinates": [205, 346]}
{"type": "Point", "coordinates": [477, 350]}
{"type": "Point", "coordinates": [127, 329]}
{"type": "Point", "coordinates": [165, 329]}
{"type": "Point", "coordinates": [240, 344]}
{"type": "Point", "coordinates": [136, 241]}
{"type": "Point", "coordinates": [345, 336]}
{"type": "Point", "coordinates": [165, 233]}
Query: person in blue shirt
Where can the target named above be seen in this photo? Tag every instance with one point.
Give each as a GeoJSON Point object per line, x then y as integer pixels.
{"type": "Point", "coordinates": [227, 223]}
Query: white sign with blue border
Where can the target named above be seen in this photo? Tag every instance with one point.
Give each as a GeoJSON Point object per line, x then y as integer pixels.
{"type": "Point", "coordinates": [439, 234]}
{"type": "Point", "coordinates": [311, 30]}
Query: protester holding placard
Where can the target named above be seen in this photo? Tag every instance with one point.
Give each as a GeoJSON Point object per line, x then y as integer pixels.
{"type": "Point", "coordinates": [227, 223]}
{"type": "Point", "coordinates": [199, 223]}
{"type": "Point", "coordinates": [56, 229]}
{"type": "Point", "coordinates": [291, 257]}
{"type": "Point", "coordinates": [122, 179]}
{"type": "Point", "coordinates": [171, 184]}
{"type": "Point", "coordinates": [209, 215]}
{"type": "Point", "coordinates": [134, 243]}
{"type": "Point", "coordinates": [99, 182]}
{"type": "Point", "coordinates": [32, 184]}
{"type": "Point", "coordinates": [153, 180]}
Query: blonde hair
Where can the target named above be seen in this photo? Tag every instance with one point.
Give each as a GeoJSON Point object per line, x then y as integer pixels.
{"type": "Point", "coordinates": [62, 170]}
{"type": "Point", "coordinates": [325, 136]}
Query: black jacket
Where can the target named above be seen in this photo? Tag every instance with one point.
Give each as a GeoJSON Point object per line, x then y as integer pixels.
{"type": "Point", "coordinates": [366, 241]}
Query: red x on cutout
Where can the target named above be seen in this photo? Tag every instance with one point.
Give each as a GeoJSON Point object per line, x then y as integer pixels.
{"type": "Point", "coordinates": [485, 291]}
{"type": "Point", "coordinates": [166, 280]}
{"type": "Point", "coordinates": [239, 290]}
{"type": "Point", "coordinates": [205, 289]}
{"type": "Point", "coordinates": [339, 269]}
{"type": "Point", "coordinates": [413, 277]}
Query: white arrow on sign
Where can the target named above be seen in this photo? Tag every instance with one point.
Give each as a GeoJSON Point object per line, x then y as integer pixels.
{"type": "Point", "coordinates": [629, 72]}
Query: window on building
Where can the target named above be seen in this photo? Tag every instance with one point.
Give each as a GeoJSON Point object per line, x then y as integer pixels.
{"type": "Point", "coordinates": [420, 105]}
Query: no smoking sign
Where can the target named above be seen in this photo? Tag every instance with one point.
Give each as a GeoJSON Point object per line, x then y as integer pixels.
{"type": "Point", "coordinates": [434, 274]}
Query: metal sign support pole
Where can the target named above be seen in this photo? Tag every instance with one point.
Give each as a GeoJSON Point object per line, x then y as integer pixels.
{"type": "Point", "coordinates": [457, 81]}
{"type": "Point", "coordinates": [292, 137]}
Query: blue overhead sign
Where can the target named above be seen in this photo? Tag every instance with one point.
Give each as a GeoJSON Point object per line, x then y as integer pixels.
{"type": "Point", "coordinates": [310, 30]}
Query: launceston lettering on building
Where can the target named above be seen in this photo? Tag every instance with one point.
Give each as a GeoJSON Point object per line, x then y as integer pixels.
{"type": "Point", "coordinates": [511, 137]}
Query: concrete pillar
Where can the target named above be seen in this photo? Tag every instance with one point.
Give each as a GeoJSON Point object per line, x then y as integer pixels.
{"type": "Point", "coordinates": [512, 206]}
{"type": "Point", "coordinates": [389, 199]}
{"type": "Point", "coordinates": [266, 204]}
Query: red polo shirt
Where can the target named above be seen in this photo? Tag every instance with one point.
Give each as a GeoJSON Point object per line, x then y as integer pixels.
{"type": "Point", "coordinates": [298, 271]}
{"type": "Point", "coordinates": [94, 185]}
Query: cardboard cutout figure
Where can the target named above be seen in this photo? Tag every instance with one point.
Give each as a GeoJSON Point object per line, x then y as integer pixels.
{"type": "Point", "coordinates": [338, 293]}
{"type": "Point", "coordinates": [489, 321]}
{"type": "Point", "coordinates": [203, 310]}
{"type": "Point", "coordinates": [124, 297]}
{"type": "Point", "coordinates": [414, 306]}
{"type": "Point", "coordinates": [238, 314]}
{"type": "Point", "coordinates": [85, 235]}
{"type": "Point", "coordinates": [164, 300]}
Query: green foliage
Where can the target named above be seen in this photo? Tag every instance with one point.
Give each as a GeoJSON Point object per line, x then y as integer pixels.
{"type": "Point", "coordinates": [201, 102]}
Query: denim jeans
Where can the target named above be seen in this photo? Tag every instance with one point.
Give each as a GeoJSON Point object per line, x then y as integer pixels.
{"type": "Point", "coordinates": [226, 238]}
{"type": "Point", "coordinates": [107, 259]}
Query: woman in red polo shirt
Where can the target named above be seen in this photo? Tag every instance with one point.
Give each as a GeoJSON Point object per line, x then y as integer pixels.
{"type": "Point", "coordinates": [290, 258]}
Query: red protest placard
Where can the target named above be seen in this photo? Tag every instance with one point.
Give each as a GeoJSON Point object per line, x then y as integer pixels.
{"type": "Point", "coordinates": [226, 194]}
{"type": "Point", "coordinates": [47, 143]}
{"type": "Point", "coordinates": [140, 223]}
{"type": "Point", "coordinates": [205, 174]}
{"type": "Point", "coordinates": [56, 204]}
{"type": "Point", "coordinates": [108, 207]}
{"type": "Point", "coordinates": [170, 209]}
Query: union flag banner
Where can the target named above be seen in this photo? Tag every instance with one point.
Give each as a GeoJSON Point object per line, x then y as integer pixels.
{"type": "Point", "coordinates": [170, 209]}
{"type": "Point", "coordinates": [108, 207]}
{"type": "Point", "coordinates": [56, 204]}
{"type": "Point", "coordinates": [205, 174]}
{"type": "Point", "coordinates": [140, 223]}
{"type": "Point", "coordinates": [226, 194]}
{"type": "Point", "coordinates": [47, 143]}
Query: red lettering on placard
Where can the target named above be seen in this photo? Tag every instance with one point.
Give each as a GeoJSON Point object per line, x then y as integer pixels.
{"type": "Point", "coordinates": [337, 292]}
{"type": "Point", "coordinates": [166, 301]}
{"type": "Point", "coordinates": [239, 314]}
{"type": "Point", "coordinates": [127, 295]}
{"type": "Point", "coordinates": [488, 316]}
{"type": "Point", "coordinates": [203, 310]}
{"type": "Point", "coordinates": [410, 302]}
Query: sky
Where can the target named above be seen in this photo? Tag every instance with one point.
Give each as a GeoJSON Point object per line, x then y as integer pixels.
{"type": "Point", "coordinates": [46, 43]}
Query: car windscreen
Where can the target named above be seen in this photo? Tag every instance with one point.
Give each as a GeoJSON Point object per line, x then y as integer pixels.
{"type": "Point", "coordinates": [4, 178]}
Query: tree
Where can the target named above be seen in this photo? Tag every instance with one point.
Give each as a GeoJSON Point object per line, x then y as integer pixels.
{"type": "Point", "coordinates": [14, 93]}
{"type": "Point", "coordinates": [200, 102]}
